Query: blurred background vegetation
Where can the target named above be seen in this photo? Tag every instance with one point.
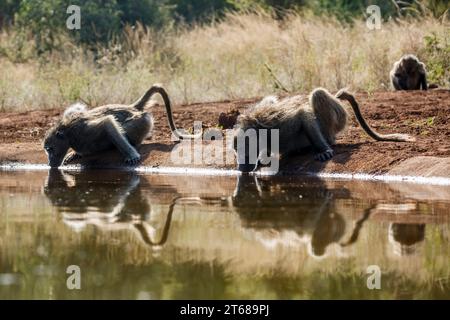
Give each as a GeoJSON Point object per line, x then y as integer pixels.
{"type": "Point", "coordinates": [103, 20]}
{"type": "Point", "coordinates": [209, 49]}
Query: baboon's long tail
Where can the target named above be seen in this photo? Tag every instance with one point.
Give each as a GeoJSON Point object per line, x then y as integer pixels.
{"type": "Point", "coordinates": [344, 95]}
{"type": "Point", "coordinates": [156, 88]}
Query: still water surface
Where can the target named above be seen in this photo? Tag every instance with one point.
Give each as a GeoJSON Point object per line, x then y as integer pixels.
{"type": "Point", "coordinates": [137, 236]}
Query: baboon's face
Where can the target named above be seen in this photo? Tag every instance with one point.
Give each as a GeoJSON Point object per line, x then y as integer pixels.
{"type": "Point", "coordinates": [56, 146]}
{"type": "Point", "coordinates": [410, 66]}
{"type": "Point", "coordinates": [408, 74]}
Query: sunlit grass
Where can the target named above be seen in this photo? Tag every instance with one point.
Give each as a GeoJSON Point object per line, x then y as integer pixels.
{"type": "Point", "coordinates": [245, 55]}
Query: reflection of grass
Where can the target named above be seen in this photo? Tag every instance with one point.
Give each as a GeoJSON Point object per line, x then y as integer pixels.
{"type": "Point", "coordinates": [243, 56]}
{"type": "Point", "coordinates": [209, 255]}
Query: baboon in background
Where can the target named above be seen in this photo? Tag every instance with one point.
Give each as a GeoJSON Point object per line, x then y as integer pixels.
{"type": "Point", "coordinates": [301, 124]}
{"type": "Point", "coordinates": [409, 73]}
{"type": "Point", "coordinates": [89, 132]}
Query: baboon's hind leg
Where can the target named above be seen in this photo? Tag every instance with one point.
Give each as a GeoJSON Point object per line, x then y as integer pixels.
{"type": "Point", "coordinates": [118, 139]}
{"type": "Point", "coordinates": [138, 129]}
{"type": "Point", "coordinates": [317, 140]}
{"type": "Point", "coordinates": [321, 103]}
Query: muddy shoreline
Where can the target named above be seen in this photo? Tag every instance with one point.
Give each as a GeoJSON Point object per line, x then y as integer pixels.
{"type": "Point", "coordinates": [425, 115]}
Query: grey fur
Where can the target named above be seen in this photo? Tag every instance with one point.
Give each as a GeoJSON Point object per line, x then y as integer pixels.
{"type": "Point", "coordinates": [305, 122]}
{"type": "Point", "coordinates": [409, 73]}
{"type": "Point", "coordinates": [89, 132]}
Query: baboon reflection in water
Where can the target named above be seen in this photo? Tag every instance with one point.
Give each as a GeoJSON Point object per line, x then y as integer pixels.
{"type": "Point", "coordinates": [405, 238]}
{"type": "Point", "coordinates": [108, 201]}
{"type": "Point", "coordinates": [272, 212]}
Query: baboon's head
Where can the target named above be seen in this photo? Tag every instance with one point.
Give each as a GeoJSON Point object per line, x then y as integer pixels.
{"type": "Point", "coordinates": [254, 150]}
{"type": "Point", "coordinates": [409, 72]}
{"type": "Point", "coordinates": [410, 64]}
{"type": "Point", "coordinates": [246, 157]}
{"type": "Point", "coordinates": [56, 145]}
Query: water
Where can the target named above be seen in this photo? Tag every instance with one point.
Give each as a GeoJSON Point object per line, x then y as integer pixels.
{"type": "Point", "coordinates": [142, 236]}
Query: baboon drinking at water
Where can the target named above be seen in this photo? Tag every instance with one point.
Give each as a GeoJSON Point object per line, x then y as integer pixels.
{"type": "Point", "coordinates": [301, 123]}
{"type": "Point", "coordinates": [90, 132]}
{"type": "Point", "coordinates": [409, 73]}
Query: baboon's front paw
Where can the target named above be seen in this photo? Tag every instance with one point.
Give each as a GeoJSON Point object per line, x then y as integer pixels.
{"type": "Point", "coordinates": [132, 161]}
{"type": "Point", "coordinates": [324, 156]}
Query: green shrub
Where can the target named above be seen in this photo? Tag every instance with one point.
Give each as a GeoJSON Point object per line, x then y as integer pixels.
{"type": "Point", "coordinates": [155, 13]}
{"type": "Point", "coordinates": [43, 20]}
{"type": "Point", "coordinates": [200, 10]}
{"type": "Point", "coordinates": [7, 10]}
{"type": "Point", "coordinates": [438, 58]}
{"type": "Point", "coordinates": [101, 21]}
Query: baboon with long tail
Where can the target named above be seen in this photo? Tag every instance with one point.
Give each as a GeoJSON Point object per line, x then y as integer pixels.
{"type": "Point", "coordinates": [90, 132]}
{"type": "Point", "coordinates": [301, 123]}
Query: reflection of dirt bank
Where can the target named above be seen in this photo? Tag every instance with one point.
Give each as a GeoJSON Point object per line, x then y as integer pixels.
{"type": "Point", "coordinates": [423, 114]}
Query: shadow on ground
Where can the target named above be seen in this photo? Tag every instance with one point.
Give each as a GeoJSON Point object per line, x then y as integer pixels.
{"type": "Point", "coordinates": [113, 158]}
{"type": "Point", "coordinates": [305, 162]}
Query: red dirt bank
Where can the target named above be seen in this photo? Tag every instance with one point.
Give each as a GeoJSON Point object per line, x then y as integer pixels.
{"type": "Point", "coordinates": [425, 115]}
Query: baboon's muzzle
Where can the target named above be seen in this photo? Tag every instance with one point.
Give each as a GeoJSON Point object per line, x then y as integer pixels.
{"type": "Point", "coordinates": [55, 161]}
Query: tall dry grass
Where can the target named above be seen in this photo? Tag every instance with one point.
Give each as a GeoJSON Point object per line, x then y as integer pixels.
{"type": "Point", "coordinates": [245, 55]}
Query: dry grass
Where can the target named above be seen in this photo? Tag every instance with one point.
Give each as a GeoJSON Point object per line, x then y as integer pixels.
{"type": "Point", "coordinates": [230, 59]}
